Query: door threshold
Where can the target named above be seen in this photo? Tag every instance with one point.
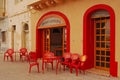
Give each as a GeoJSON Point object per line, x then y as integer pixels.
{"type": "Point", "coordinates": [99, 72]}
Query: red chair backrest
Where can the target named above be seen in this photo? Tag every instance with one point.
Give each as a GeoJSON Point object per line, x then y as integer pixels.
{"type": "Point", "coordinates": [74, 56]}
{"type": "Point", "coordinates": [23, 51]}
{"type": "Point", "coordinates": [83, 58]}
{"type": "Point", "coordinates": [48, 54]}
{"type": "Point", "coordinates": [32, 56]}
{"type": "Point", "coordinates": [10, 51]}
{"type": "Point", "coordinates": [48, 57]}
{"type": "Point", "coordinates": [66, 55]}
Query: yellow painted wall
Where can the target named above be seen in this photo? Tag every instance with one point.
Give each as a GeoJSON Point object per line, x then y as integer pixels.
{"type": "Point", "coordinates": [74, 11]}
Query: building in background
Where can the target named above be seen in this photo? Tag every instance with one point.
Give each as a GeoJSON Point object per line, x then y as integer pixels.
{"type": "Point", "coordinates": [3, 26]}
{"type": "Point", "coordinates": [76, 26]}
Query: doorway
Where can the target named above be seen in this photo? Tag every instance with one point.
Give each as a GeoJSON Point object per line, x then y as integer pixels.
{"type": "Point", "coordinates": [53, 21]}
{"type": "Point", "coordinates": [102, 42]}
{"type": "Point", "coordinates": [90, 40]}
{"type": "Point", "coordinates": [54, 40]}
{"type": "Point", "coordinates": [13, 36]}
{"type": "Point", "coordinates": [25, 36]}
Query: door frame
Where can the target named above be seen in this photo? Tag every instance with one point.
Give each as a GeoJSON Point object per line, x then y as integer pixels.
{"type": "Point", "coordinates": [39, 31]}
{"type": "Point", "coordinates": [86, 50]}
{"type": "Point", "coordinates": [46, 40]}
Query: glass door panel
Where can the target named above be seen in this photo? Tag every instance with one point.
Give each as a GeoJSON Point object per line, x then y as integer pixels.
{"type": "Point", "coordinates": [64, 39]}
{"type": "Point", "coordinates": [102, 42]}
{"type": "Point", "coordinates": [46, 38]}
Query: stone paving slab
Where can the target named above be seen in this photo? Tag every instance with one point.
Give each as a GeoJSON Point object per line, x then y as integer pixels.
{"type": "Point", "coordinates": [19, 71]}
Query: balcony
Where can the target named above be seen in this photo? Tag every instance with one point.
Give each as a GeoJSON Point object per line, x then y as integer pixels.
{"type": "Point", "coordinates": [42, 4]}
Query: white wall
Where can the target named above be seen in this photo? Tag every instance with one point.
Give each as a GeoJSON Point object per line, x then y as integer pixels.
{"type": "Point", "coordinates": [4, 27]}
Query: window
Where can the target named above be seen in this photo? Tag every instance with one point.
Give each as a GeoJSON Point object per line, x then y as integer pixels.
{"type": "Point", "coordinates": [26, 26]}
{"type": "Point", "coordinates": [17, 1]}
{"type": "Point", "coordinates": [3, 36]}
{"type": "Point", "coordinates": [13, 27]}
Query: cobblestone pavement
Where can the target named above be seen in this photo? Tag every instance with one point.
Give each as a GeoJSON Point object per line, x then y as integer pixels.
{"type": "Point", "coordinates": [18, 70]}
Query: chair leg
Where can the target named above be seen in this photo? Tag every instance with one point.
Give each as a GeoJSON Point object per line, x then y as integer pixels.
{"type": "Point", "coordinates": [76, 72]}
{"type": "Point", "coordinates": [60, 66]}
{"type": "Point", "coordinates": [46, 66]}
{"type": "Point", "coordinates": [11, 58]}
{"type": "Point", "coordinates": [30, 69]}
{"type": "Point", "coordinates": [7, 57]}
{"type": "Point", "coordinates": [83, 71]}
{"type": "Point", "coordinates": [32, 66]}
{"type": "Point", "coordinates": [70, 69]}
{"type": "Point", "coordinates": [52, 65]}
{"type": "Point", "coordinates": [20, 57]}
{"type": "Point", "coordinates": [64, 67]}
{"type": "Point", "coordinates": [43, 67]}
{"type": "Point", "coordinates": [57, 68]}
{"type": "Point", "coordinates": [26, 58]}
{"type": "Point", "coordinates": [4, 57]}
{"type": "Point", "coordinates": [38, 67]}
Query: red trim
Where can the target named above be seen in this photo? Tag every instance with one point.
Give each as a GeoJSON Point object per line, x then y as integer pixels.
{"type": "Point", "coordinates": [67, 27]}
{"type": "Point", "coordinates": [87, 16]}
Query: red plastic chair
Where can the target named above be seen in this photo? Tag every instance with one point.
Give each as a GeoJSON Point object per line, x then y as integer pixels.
{"type": "Point", "coordinates": [9, 53]}
{"type": "Point", "coordinates": [65, 61]}
{"type": "Point", "coordinates": [32, 58]}
{"type": "Point", "coordinates": [79, 65]}
{"type": "Point", "coordinates": [47, 58]}
{"type": "Point", "coordinates": [23, 54]}
{"type": "Point", "coordinates": [82, 59]}
{"type": "Point", "coordinates": [74, 61]}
